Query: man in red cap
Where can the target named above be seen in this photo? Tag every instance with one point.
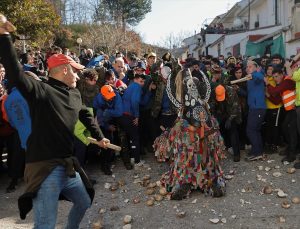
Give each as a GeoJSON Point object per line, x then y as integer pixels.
{"type": "Point", "coordinates": [51, 171]}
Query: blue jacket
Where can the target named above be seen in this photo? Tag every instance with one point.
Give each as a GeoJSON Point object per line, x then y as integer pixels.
{"type": "Point", "coordinates": [256, 91]}
{"type": "Point", "coordinates": [18, 113]}
{"type": "Point", "coordinates": [125, 79]}
{"type": "Point", "coordinates": [132, 99]}
{"type": "Point", "coordinates": [107, 110]}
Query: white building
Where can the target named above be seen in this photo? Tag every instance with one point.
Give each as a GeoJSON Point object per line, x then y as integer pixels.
{"type": "Point", "coordinates": [255, 27]}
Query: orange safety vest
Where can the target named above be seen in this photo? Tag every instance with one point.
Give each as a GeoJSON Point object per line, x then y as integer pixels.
{"type": "Point", "coordinates": [288, 97]}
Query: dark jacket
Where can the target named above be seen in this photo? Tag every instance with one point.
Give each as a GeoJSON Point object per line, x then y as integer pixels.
{"type": "Point", "coordinates": [54, 108]}
{"type": "Point", "coordinates": [230, 108]}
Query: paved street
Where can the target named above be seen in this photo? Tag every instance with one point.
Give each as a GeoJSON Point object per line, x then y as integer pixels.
{"type": "Point", "coordinates": [244, 205]}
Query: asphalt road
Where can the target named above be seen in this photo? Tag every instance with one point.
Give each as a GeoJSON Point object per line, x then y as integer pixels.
{"type": "Point", "coordinates": [244, 206]}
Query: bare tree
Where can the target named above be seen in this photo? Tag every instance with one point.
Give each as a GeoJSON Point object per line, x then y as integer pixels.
{"type": "Point", "coordinates": [174, 40]}
{"type": "Point", "coordinates": [111, 38]}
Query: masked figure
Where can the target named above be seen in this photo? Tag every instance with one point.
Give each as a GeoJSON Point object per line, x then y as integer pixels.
{"type": "Point", "coordinates": [194, 145]}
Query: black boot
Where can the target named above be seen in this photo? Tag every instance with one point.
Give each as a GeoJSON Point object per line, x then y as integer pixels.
{"type": "Point", "coordinates": [126, 159]}
{"type": "Point", "coordinates": [236, 158]}
{"type": "Point", "coordinates": [106, 168]}
{"type": "Point", "coordinates": [12, 185]}
{"type": "Point", "coordinates": [182, 192]}
{"type": "Point", "coordinates": [125, 153]}
{"type": "Point", "coordinates": [218, 187]}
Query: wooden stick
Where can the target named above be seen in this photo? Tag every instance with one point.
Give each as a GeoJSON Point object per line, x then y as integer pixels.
{"type": "Point", "coordinates": [246, 78]}
{"type": "Point", "coordinates": [109, 145]}
{"type": "Point", "coordinates": [162, 128]}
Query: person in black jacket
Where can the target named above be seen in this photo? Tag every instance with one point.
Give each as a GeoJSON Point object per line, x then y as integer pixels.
{"type": "Point", "coordinates": [51, 171]}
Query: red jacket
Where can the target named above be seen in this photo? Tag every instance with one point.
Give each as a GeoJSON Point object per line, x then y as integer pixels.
{"type": "Point", "coordinates": [276, 91]}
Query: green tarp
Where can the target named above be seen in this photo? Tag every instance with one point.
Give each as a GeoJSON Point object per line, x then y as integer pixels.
{"type": "Point", "coordinates": [253, 49]}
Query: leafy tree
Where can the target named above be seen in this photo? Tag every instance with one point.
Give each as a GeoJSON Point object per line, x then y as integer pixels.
{"type": "Point", "coordinates": [122, 12]}
{"type": "Point", "coordinates": [35, 19]}
{"type": "Point", "coordinates": [64, 37]}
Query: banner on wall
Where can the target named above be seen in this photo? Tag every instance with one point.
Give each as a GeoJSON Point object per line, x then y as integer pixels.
{"type": "Point", "coordinates": [268, 46]}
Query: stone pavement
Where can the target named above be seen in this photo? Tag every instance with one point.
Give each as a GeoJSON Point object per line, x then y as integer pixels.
{"type": "Point", "coordinates": [244, 206]}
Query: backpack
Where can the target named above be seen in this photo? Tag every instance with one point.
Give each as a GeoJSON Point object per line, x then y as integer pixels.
{"type": "Point", "coordinates": [5, 128]}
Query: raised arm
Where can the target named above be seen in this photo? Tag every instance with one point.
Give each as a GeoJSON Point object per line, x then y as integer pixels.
{"type": "Point", "coordinates": [13, 69]}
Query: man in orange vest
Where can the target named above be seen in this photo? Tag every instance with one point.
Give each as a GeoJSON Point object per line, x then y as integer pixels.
{"type": "Point", "coordinates": [286, 88]}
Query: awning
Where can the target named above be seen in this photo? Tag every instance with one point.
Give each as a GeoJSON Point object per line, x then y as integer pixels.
{"type": "Point", "coordinates": [268, 36]}
{"type": "Point", "coordinates": [267, 46]}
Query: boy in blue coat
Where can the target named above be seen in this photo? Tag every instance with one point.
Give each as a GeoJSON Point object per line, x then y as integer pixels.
{"type": "Point", "coordinates": [132, 99]}
{"type": "Point", "coordinates": [108, 104]}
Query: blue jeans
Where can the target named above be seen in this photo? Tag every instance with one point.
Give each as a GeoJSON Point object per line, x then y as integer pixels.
{"type": "Point", "coordinates": [46, 202]}
{"type": "Point", "coordinates": [254, 123]}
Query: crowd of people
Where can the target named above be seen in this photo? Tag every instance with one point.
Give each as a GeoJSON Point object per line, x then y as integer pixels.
{"type": "Point", "coordinates": [186, 113]}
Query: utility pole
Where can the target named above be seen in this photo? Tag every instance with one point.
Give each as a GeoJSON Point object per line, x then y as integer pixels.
{"type": "Point", "coordinates": [276, 12]}
{"type": "Point", "coordinates": [249, 14]}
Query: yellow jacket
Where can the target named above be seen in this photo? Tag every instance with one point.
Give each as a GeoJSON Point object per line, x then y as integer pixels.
{"type": "Point", "coordinates": [296, 78]}
{"type": "Point", "coordinates": [269, 104]}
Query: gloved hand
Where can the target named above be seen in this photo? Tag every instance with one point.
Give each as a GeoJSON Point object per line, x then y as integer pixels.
{"type": "Point", "coordinates": [228, 124]}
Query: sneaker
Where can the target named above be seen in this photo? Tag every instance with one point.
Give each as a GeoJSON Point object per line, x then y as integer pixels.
{"type": "Point", "coordinates": [254, 158]}
{"type": "Point", "coordinates": [297, 165]}
{"type": "Point", "coordinates": [132, 161]}
{"type": "Point", "coordinates": [248, 147]}
{"type": "Point", "coordinates": [139, 164]}
{"type": "Point", "coordinates": [128, 166]}
{"type": "Point", "coordinates": [288, 159]}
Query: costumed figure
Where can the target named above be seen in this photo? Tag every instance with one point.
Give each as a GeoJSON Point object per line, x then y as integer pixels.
{"type": "Point", "coordinates": [194, 144]}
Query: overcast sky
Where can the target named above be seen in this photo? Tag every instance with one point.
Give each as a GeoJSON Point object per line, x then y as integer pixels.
{"type": "Point", "coordinates": [179, 15]}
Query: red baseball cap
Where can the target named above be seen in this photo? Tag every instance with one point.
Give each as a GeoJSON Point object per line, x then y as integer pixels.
{"type": "Point", "coordinates": [60, 59]}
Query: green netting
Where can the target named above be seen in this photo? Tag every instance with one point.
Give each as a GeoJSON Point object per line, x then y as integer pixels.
{"type": "Point", "coordinates": [252, 49]}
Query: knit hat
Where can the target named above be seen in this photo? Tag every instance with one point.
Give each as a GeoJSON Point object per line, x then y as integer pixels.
{"type": "Point", "coordinates": [151, 54]}
{"type": "Point", "coordinates": [140, 64]}
{"type": "Point", "coordinates": [220, 93]}
{"type": "Point", "coordinates": [107, 92]}
{"type": "Point", "coordinates": [216, 68]}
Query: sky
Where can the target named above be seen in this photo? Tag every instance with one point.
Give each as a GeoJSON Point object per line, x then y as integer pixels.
{"type": "Point", "coordinates": [175, 16]}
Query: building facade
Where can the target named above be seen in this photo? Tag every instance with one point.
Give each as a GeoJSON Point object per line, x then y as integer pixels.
{"type": "Point", "coordinates": [252, 28]}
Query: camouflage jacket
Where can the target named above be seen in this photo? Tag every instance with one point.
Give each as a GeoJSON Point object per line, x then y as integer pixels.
{"type": "Point", "coordinates": [157, 101]}
{"type": "Point", "coordinates": [230, 108]}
